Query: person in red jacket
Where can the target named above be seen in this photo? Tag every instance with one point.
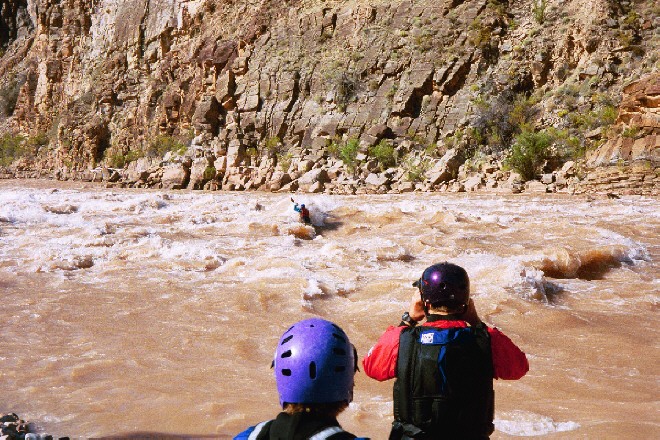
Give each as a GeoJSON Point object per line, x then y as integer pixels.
{"type": "Point", "coordinates": [444, 368]}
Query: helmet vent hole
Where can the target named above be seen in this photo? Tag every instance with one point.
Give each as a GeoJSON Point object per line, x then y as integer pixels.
{"type": "Point", "coordinates": [339, 351]}
{"type": "Point", "coordinates": [340, 337]}
{"type": "Point", "coordinates": [286, 372]}
{"type": "Point", "coordinates": [286, 354]}
{"type": "Point", "coordinates": [312, 370]}
{"type": "Point", "coordinates": [287, 339]}
{"type": "Point", "coordinates": [340, 369]}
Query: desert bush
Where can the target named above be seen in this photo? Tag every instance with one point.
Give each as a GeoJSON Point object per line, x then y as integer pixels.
{"type": "Point", "coordinates": [11, 148]}
{"type": "Point", "coordinates": [607, 115]}
{"type": "Point", "coordinates": [273, 144]}
{"type": "Point", "coordinates": [334, 146]}
{"type": "Point", "coordinates": [392, 91]}
{"type": "Point", "coordinates": [284, 160]}
{"type": "Point", "coordinates": [539, 10]}
{"type": "Point", "coordinates": [209, 173]}
{"type": "Point", "coordinates": [415, 169]}
{"type": "Point", "coordinates": [529, 153]}
{"type": "Point", "coordinates": [567, 146]}
{"type": "Point", "coordinates": [630, 132]}
{"type": "Point", "coordinates": [120, 160]}
{"type": "Point", "coordinates": [162, 144]}
{"type": "Point", "coordinates": [252, 151]}
{"type": "Point", "coordinates": [497, 121]}
{"type": "Point", "coordinates": [455, 139]}
{"type": "Point", "coordinates": [384, 153]}
{"type": "Point", "coordinates": [348, 153]}
{"type": "Point", "coordinates": [345, 85]}
{"type": "Point", "coordinates": [33, 143]}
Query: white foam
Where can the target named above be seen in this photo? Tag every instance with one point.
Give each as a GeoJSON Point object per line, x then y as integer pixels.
{"type": "Point", "coordinates": [528, 424]}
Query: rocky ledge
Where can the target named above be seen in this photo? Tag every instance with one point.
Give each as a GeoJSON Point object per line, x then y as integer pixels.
{"type": "Point", "coordinates": [13, 428]}
{"type": "Point", "coordinates": [628, 162]}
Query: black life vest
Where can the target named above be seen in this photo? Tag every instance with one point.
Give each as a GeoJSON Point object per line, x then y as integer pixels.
{"type": "Point", "coordinates": [301, 426]}
{"type": "Point", "coordinates": [444, 385]}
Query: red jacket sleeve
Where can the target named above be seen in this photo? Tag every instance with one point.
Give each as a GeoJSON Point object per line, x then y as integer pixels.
{"type": "Point", "coordinates": [509, 362]}
{"type": "Point", "coordinates": [380, 362]}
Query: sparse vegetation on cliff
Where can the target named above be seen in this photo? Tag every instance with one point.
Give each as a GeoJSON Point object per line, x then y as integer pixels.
{"type": "Point", "coordinates": [164, 143]}
{"type": "Point", "coordinates": [384, 153]}
{"type": "Point", "coordinates": [348, 153]}
{"type": "Point", "coordinates": [120, 160]}
{"type": "Point", "coordinates": [11, 148]}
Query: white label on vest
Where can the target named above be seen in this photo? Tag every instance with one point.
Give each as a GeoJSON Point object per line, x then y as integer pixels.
{"type": "Point", "coordinates": [427, 338]}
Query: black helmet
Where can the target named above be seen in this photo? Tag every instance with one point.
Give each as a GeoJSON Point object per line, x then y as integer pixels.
{"type": "Point", "coordinates": [444, 284]}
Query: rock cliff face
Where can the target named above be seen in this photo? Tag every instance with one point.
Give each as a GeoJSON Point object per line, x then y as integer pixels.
{"type": "Point", "coordinates": [275, 94]}
{"type": "Point", "coordinates": [628, 162]}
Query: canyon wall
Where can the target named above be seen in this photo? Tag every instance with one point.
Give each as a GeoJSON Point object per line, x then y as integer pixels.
{"type": "Point", "coordinates": [273, 95]}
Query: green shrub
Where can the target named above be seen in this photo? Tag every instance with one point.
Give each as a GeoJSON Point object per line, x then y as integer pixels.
{"type": "Point", "coordinates": [392, 91]}
{"type": "Point", "coordinates": [630, 132]}
{"type": "Point", "coordinates": [348, 153]}
{"type": "Point", "coordinates": [209, 173]}
{"type": "Point", "coordinates": [120, 160]}
{"type": "Point", "coordinates": [496, 121]}
{"type": "Point", "coordinates": [568, 146]}
{"type": "Point", "coordinates": [31, 146]}
{"type": "Point", "coordinates": [345, 85]}
{"type": "Point", "coordinates": [252, 151]}
{"type": "Point", "coordinates": [415, 169]}
{"type": "Point", "coordinates": [162, 144]}
{"type": "Point", "coordinates": [38, 140]}
{"type": "Point", "coordinates": [539, 10]}
{"type": "Point", "coordinates": [11, 148]}
{"type": "Point", "coordinates": [435, 150]}
{"type": "Point", "coordinates": [607, 115]}
{"type": "Point", "coordinates": [529, 152]}
{"type": "Point", "coordinates": [284, 160]}
{"type": "Point", "coordinates": [272, 144]}
{"type": "Point", "coordinates": [334, 147]}
{"type": "Point", "coordinates": [384, 153]}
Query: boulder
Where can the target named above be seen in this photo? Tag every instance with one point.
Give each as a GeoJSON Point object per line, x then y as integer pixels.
{"type": "Point", "coordinates": [175, 176]}
{"type": "Point", "coordinates": [278, 180]}
{"type": "Point", "coordinates": [547, 178]}
{"type": "Point", "coordinates": [473, 183]}
{"type": "Point", "coordinates": [375, 181]}
{"type": "Point", "coordinates": [307, 180]}
{"type": "Point", "coordinates": [197, 174]}
{"type": "Point", "coordinates": [235, 153]}
{"type": "Point", "coordinates": [446, 168]}
{"type": "Point", "coordinates": [534, 186]}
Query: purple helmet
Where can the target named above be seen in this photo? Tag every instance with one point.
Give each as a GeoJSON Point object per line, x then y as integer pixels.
{"type": "Point", "coordinates": [315, 363]}
{"type": "Point", "coordinates": [444, 284]}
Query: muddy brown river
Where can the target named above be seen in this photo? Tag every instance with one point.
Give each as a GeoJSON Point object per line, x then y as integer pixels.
{"type": "Point", "coordinates": [145, 310]}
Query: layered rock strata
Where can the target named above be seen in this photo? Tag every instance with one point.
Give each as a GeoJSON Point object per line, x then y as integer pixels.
{"type": "Point", "coordinates": [259, 92]}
